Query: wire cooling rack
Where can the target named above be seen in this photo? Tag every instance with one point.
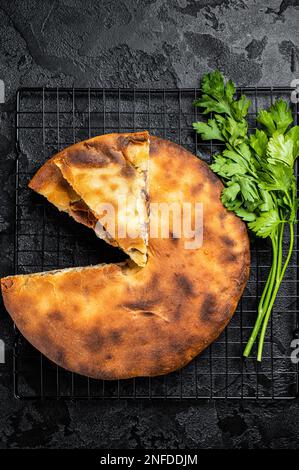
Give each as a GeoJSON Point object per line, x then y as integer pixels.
{"type": "Point", "coordinates": [48, 120]}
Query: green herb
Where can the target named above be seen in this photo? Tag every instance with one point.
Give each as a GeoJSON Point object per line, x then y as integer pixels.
{"type": "Point", "coordinates": [258, 174]}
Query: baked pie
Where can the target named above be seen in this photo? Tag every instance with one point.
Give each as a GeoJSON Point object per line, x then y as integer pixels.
{"type": "Point", "coordinates": [117, 321]}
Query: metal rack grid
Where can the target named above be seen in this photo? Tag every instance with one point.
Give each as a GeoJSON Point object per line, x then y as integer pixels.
{"type": "Point", "coordinates": [49, 119]}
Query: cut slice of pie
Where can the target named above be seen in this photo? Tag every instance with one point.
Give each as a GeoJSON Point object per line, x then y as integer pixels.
{"type": "Point", "coordinates": [102, 183]}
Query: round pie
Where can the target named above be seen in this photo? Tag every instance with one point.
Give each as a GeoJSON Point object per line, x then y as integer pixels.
{"type": "Point", "coordinates": [116, 321]}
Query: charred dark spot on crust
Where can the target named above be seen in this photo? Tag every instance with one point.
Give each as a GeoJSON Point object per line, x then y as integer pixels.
{"type": "Point", "coordinates": [153, 283]}
{"type": "Point", "coordinates": [108, 357]}
{"type": "Point", "coordinates": [147, 313]}
{"type": "Point", "coordinates": [208, 307]}
{"type": "Point", "coordinates": [195, 189]}
{"type": "Point", "coordinates": [124, 141]}
{"type": "Point", "coordinates": [93, 153]}
{"type": "Point", "coordinates": [149, 295]}
{"type": "Point", "coordinates": [93, 341]}
{"type": "Point", "coordinates": [84, 157]}
{"type": "Point", "coordinates": [145, 305]}
{"type": "Point", "coordinates": [55, 316]}
{"type": "Point", "coordinates": [230, 258]}
{"type": "Point", "coordinates": [127, 171]}
{"type": "Point", "coordinates": [53, 350]}
{"type": "Point", "coordinates": [229, 242]}
{"type": "Point", "coordinates": [185, 284]}
{"type": "Point", "coordinates": [116, 336]}
{"type": "Point", "coordinates": [178, 312]}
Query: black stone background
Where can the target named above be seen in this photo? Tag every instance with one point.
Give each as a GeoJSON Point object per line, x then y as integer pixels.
{"type": "Point", "coordinates": [161, 43]}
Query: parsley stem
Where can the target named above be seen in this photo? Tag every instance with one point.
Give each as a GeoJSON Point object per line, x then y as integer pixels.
{"type": "Point", "coordinates": [266, 296]}
{"type": "Point", "coordinates": [265, 291]}
{"type": "Point", "coordinates": [276, 240]}
{"type": "Point", "coordinates": [278, 282]}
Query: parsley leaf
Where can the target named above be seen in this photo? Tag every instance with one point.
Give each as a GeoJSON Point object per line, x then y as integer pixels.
{"type": "Point", "coordinates": [208, 131]}
{"type": "Point", "coordinates": [230, 192]}
{"type": "Point", "coordinates": [225, 167]}
{"type": "Point", "coordinates": [219, 98]}
{"type": "Point", "coordinates": [278, 177]}
{"type": "Point", "coordinates": [259, 142]}
{"type": "Point", "coordinates": [277, 118]}
{"type": "Point", "coordinates": [241, 107]}
{"type": "Point", "coordinates": [265, 225]}
{"type": "Point", "coordinates": [280, 149]}
{"type": "Point", "coordinates": [246, 215]}
{"type": "Point", "coordinates": [293, 135]}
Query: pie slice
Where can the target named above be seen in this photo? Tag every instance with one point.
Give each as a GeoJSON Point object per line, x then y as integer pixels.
{"type": "Point", "coordinates": [102, 183]}
{"type": "Point", "coordinates": [119, 321]}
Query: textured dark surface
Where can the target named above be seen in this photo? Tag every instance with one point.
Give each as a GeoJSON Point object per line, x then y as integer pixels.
{"type": "Point", "coordinates": [146, 43]}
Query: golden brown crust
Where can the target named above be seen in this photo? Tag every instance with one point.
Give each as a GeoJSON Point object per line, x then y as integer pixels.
{"type": "Point", "coordinates": [119, 321]}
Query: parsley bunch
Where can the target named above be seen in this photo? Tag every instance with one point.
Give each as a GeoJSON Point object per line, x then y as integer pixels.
{"type": "Point", "coordinates": [258, 173]}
